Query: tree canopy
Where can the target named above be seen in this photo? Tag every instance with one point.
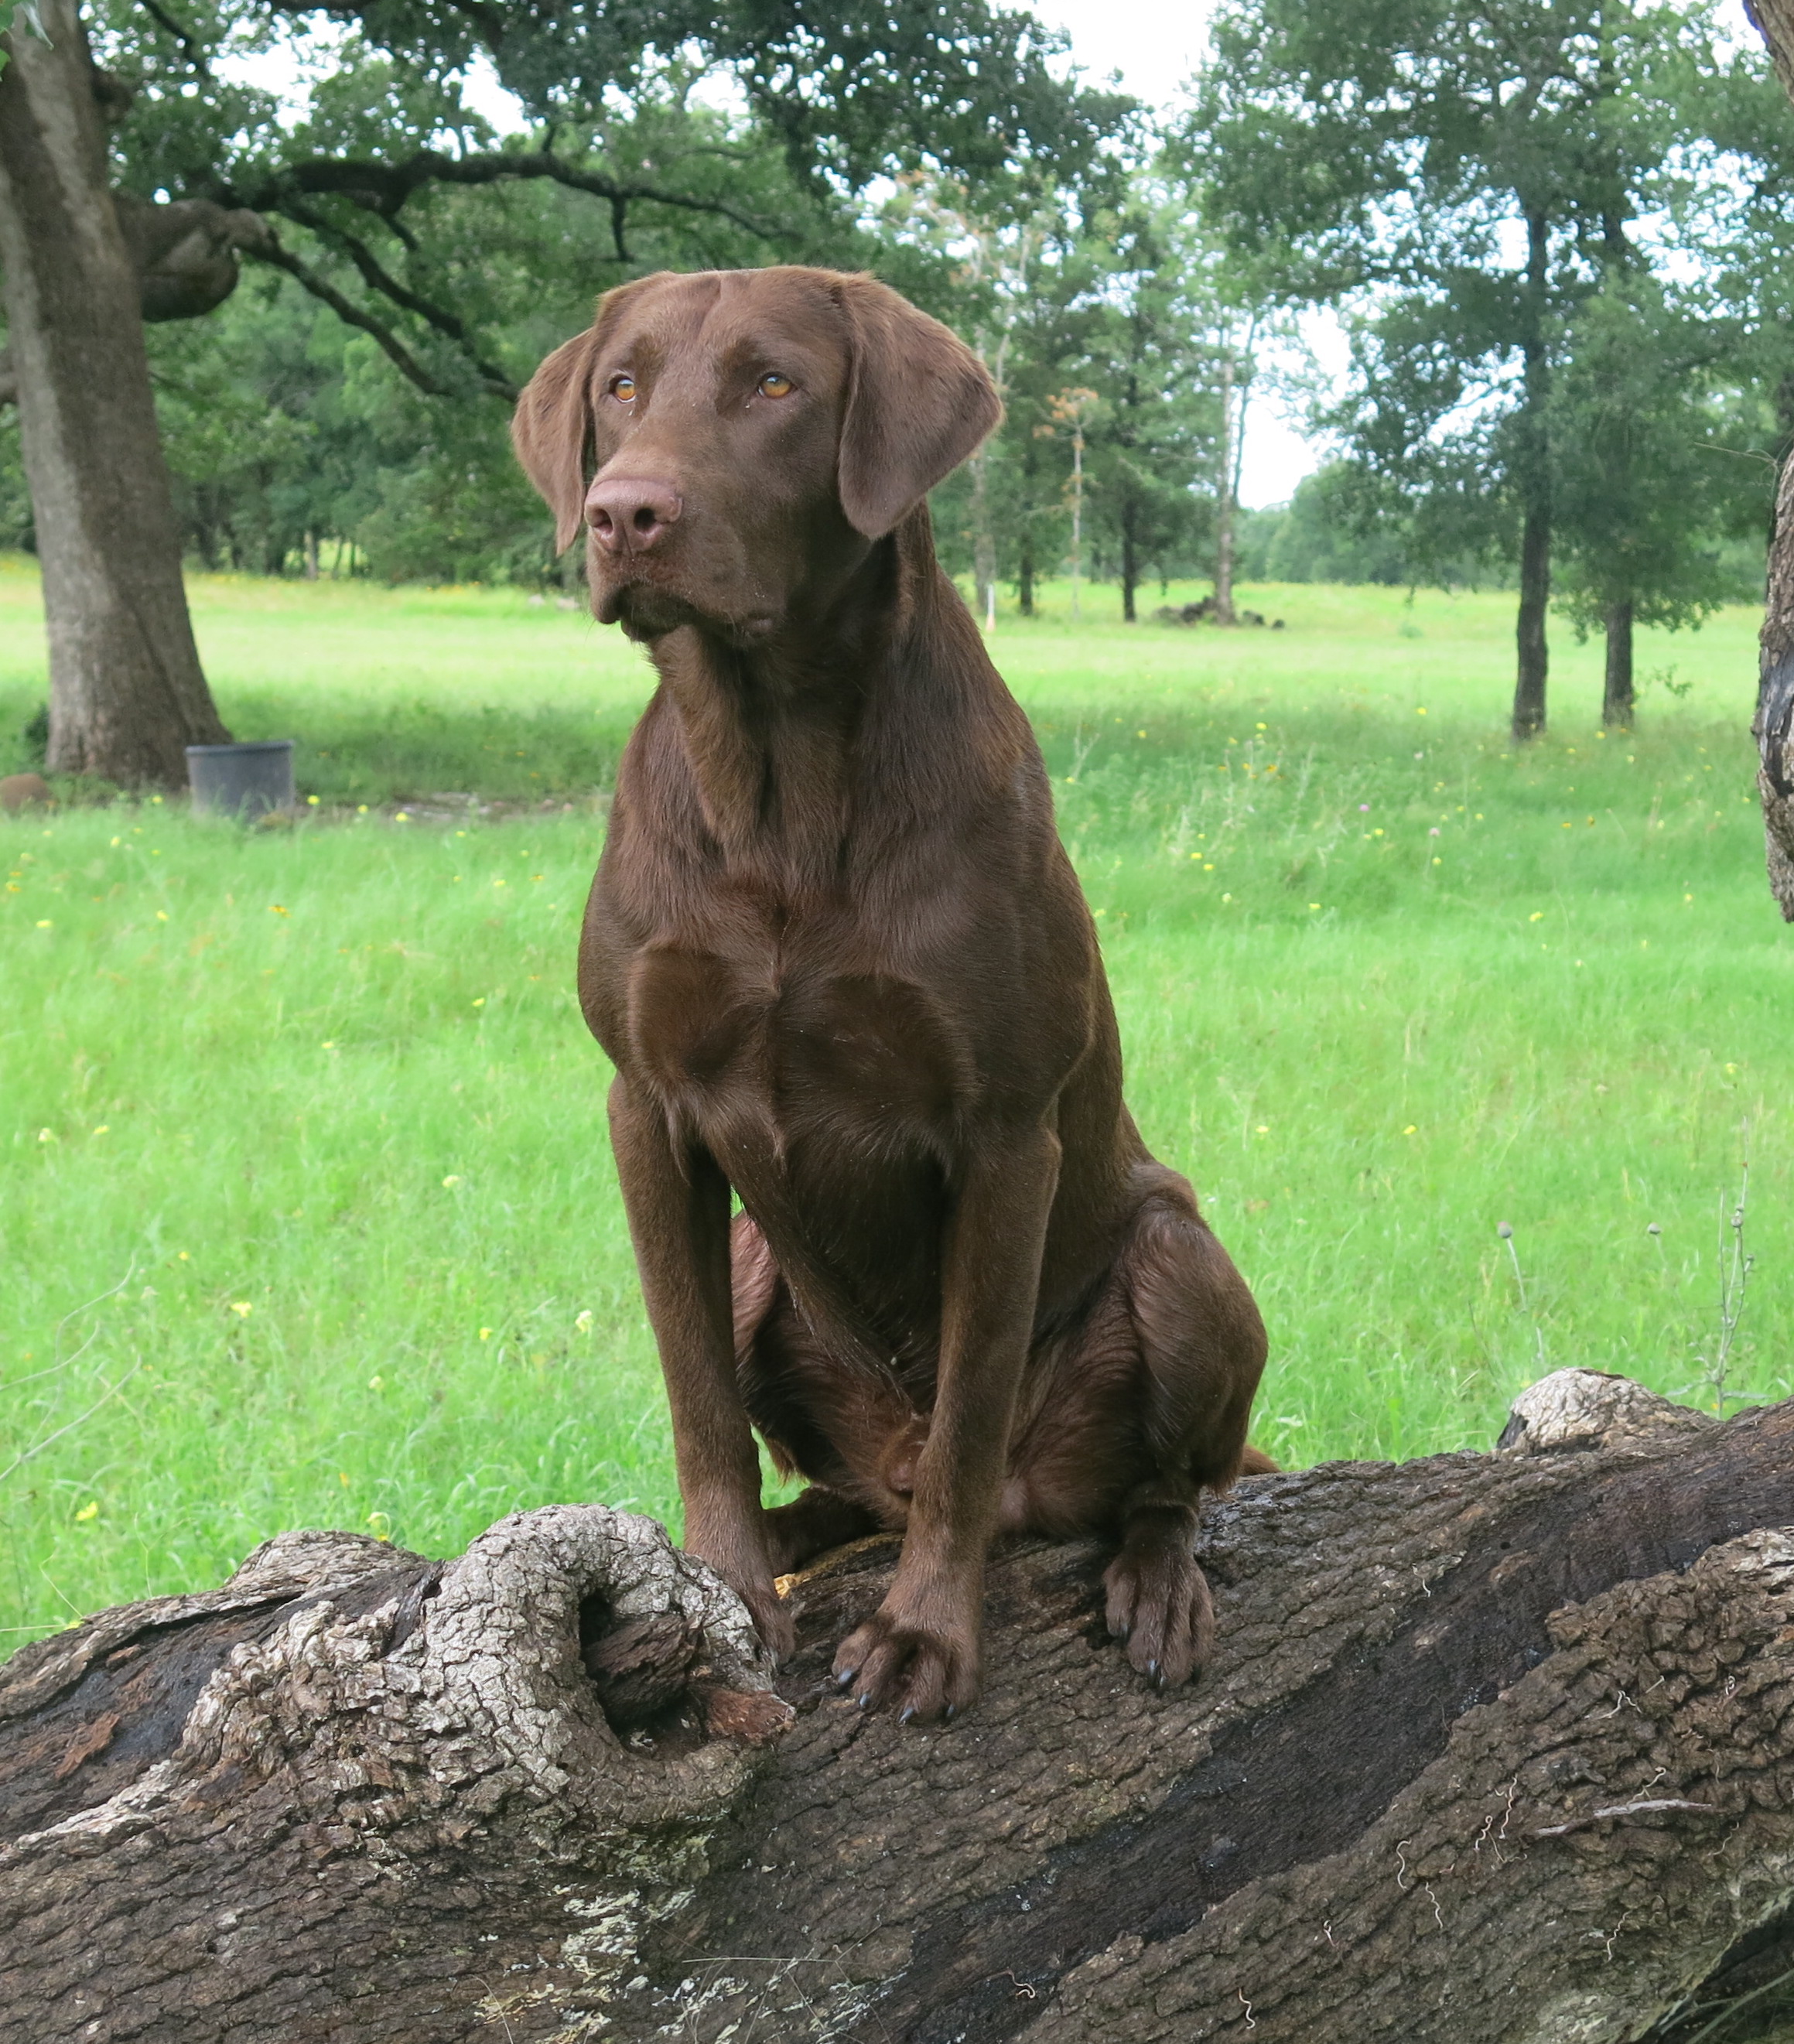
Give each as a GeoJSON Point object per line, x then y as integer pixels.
{"type": "Point", "coordinates": [1496, 189]}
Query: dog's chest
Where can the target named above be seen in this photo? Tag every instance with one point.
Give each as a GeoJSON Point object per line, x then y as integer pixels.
{"type": "Point", "coordinates": [796, 1043]}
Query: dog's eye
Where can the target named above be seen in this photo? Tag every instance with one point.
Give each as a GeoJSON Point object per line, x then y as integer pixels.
{"type": "Point", "coordinates": [774, 385]}
{"type": "Point", "coordinates": [623, 389]}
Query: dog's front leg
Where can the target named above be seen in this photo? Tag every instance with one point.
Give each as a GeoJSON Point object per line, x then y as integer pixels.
{"type": "Point", "coordinates": [677, 1201]}
{"type": "Point", "coordinates": [922, 1648]}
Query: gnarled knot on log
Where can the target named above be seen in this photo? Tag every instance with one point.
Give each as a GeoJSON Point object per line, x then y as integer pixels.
{"type": "Point", "coordinates": [1495, 1747]}
{"type": "Point", "coordinates": [1590, 1409]}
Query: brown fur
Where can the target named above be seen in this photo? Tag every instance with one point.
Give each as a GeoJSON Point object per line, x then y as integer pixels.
{"type": "Point", "coordinates": [846, 974]}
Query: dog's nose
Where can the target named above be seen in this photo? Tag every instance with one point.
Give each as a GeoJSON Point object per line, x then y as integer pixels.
{"type": "Point", "coordinates": [628, 514]}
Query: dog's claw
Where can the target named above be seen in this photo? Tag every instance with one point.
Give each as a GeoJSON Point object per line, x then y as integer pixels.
{"type": "Point", "coordinates": [845, 1679]}
{"type": "Point", "coordinates": [864, 1699]}
{"type": "Point", "coordinates": [1153, 1675]}
{"type": "Point", "coordinates": [906, 1714]}
{"type": "Point", "coordinates": [949, 1714]}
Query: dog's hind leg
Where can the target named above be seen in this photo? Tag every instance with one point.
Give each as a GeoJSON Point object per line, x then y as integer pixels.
{"type": "Point", "coordinates": [1201, 1348]}
{"type": "Point", "coordinates": [768, 1339]}
{"type": "Point", "coordinates": [814, 1521]}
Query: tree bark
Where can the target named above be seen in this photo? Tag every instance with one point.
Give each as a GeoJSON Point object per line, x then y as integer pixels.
{"type": "Point", "coordinates": [126, 689]}
{"type": "Point", "coordinates": [1130, 557]}
{"type": "Point", "coordinates": [1772, 727]}
{"type": "Point", "coordinates": [1616, 694]}
{"type": "Point", "coordinates": [1535, 598]}
{"type": "Point", "coordinates": [1494, 1748]}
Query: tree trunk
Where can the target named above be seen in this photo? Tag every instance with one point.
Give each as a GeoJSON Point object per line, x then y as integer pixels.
{"type": "Point", "coordinates": [1534, 480]}
{"type": "Point", "coordinates": [1025, 572]}
{"type": "Point", "coordinates": [1535, 596]}
{"type": "Point", "coordinates": [984, 543]}
{"type": "Point", "coordinates": [126, 690]}
{"type": "Point", "coordinates": [1130, 558]}
{"type": "Point", "coordinates": [1493, 1748]}
{"type": "Point", "coordinates": [1772, 727]}
{"type": "Point", "coordinates": [1224, 502]}
{"type": "Point", "coordinates": [1616, 695]}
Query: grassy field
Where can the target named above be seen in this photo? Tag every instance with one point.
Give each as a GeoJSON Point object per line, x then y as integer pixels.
{"type": "Point", "coordinates": [309, 1215]}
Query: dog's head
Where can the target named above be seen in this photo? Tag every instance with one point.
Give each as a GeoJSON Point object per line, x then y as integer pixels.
{"type": "Point", "coordinates": [735, 440]}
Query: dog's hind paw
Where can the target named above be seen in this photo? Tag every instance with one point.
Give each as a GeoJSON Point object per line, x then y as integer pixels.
{"type": "Point", "coordinates": [773, 1620]}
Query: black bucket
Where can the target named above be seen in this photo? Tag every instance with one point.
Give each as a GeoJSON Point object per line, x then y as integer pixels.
{"type": "Point", "coordinates": [242, 780]}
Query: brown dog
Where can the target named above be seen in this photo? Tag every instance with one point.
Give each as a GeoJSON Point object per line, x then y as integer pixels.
{"type": "Point", "coordinates": [844, 971]}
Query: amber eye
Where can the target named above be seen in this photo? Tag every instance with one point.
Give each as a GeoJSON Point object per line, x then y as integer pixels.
{"type": "Point", "coordinates": [623, 389]}
{"type": "Point", "coordinates": [773, 385]}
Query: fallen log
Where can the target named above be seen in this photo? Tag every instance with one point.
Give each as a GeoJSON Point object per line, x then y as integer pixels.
{"type": "Point", "coordinates": [1494, 1747]}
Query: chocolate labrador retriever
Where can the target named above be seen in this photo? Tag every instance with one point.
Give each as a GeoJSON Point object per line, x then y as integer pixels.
{"type": "Point", "coordinates": [845, 973]}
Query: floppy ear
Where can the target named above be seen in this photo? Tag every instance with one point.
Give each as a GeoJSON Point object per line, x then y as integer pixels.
{"type": "Point", "coordinates": [552, 431]}
{"type": "Point", "coordinates": [555, 427]}
{"type": "Point", "coordinates": [919, 402]}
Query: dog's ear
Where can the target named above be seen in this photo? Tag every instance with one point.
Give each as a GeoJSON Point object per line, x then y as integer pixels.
{"type": "Point", "coordinates": [919, 402]}
{"type": "Point", "coordinates": [552, 431]}
{"type": "Point", "coordinates": [554, 427]}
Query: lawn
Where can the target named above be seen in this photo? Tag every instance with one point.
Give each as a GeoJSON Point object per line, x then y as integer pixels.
{"type": "Point", "coordinates": [309, 1215]}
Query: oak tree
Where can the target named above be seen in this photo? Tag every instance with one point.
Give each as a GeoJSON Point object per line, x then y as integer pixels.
{"type": "Point", "coordinates": [1460, 173]}
{"type": "Point", "coordinates": [130, 186]}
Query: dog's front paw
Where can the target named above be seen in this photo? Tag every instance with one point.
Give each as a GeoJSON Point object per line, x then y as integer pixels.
{"type": "Point", "coordinates": [926, 1667]}
{"type": "Point", "coordinates": [1158, 1605]}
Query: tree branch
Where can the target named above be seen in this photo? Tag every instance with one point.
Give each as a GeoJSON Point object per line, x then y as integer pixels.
{"type": "Point", "coordinates": [384, 187]}
{"type": "Point", "coordinates": [380, 279]}
{"type": "Point", "coordinates": [190, 51]}
{"type": "Point", "coordinates": [346, 310]}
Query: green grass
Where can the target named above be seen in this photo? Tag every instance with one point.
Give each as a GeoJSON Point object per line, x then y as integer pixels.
{"type": "Point", "coordinates": [309, 1211]}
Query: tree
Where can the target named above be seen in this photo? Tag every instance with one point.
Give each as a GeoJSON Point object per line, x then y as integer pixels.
{"type": "Point", "coordinates": [1642, 486]}
{"type": "Point", "coordinates": [127, 693]}
{"type": "Point", "coordinates": [1493, 1746]}
{"type": "Point", "coordinates": [1072, 411]}
{"type": "Point", "coordinates": [994, 254]}
{"type": "Point", "coordinates": [1336, 529]}
{"type": "Point", "coordinates": [348, 200]}
{"type": "Point", "coordinates": [1756, 127]}
{"type": "Point", "coordinates": [1160, 422]}
{"type": "Point", "coordinates": [1460, 169]}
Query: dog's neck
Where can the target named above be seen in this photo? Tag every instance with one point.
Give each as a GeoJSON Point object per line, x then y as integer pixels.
{"type": "Point", "coordinates": [782, 739]}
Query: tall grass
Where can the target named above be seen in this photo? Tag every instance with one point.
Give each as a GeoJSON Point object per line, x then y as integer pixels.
{"type": "Point", "coordinates": [309, 1212]}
